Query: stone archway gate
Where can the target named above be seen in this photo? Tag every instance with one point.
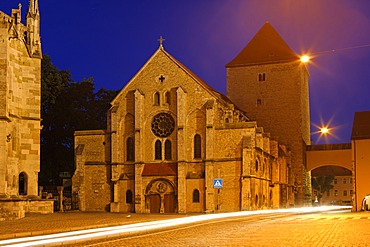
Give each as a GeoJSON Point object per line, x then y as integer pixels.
{"type": "Point", "coordinates": [329, 154]}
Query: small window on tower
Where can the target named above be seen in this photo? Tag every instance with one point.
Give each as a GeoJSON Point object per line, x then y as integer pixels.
{"type": "Point", "coordinates": [261, 77]}
{"type": "Point", "coordinates": [259, 102]}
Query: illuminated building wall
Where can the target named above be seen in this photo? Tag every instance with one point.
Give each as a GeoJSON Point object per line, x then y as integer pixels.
{"type": "Point", "coordinates": [361, 157]}
{"type": "Point", "coordinates": [269, 82]}
{"type": "Point", "coordinates": [169, 136]}
{"type": "Point", "coordinates": [20, 103]}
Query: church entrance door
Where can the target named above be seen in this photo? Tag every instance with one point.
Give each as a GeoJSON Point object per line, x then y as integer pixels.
{"type": "Point", "coordinates": [161, 196]}
{"type": "Point", "coordinates": [155, 204]}
{"type": "Point", "coordinates": [169, 203]}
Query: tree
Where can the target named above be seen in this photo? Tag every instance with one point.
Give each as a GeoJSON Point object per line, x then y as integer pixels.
{"type": "Point", "coordinates": [53, 83]}
{"type": "Point", "coordinates": [67, 106]}
{"type": "Point", "coordinates": [322, 184]}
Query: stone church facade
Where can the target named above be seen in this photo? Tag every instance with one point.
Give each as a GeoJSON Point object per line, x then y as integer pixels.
{"type": "Point", "coordinates": [175, 145]}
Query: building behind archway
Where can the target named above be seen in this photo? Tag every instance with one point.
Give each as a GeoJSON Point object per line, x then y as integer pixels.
{"type": "Point", "coordinates": [361, 157]}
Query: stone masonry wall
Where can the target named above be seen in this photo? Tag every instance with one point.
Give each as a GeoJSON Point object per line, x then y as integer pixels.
{"type": "Point", "coordinates": [279, 104]}
{"type": "Point", "coordinates": [91, 179]}
{"type": "Point", "coordinates": [20, 101]}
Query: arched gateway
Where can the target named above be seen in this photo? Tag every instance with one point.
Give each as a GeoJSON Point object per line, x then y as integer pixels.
{"type": "Point", "coordinates": [329, 154]}
{"type": "Point", "coordinates": [161, 196]}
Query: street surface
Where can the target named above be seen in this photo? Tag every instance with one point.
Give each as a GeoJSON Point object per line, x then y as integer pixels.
{"type": "Point", "coordinates": [254, 228]}
{"type": "Point", "coordinates": [314, 229]}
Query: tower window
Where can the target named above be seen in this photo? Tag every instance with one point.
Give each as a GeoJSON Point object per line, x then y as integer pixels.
{"type": "Point", "coordinates": [197, 147]}
{"type": "Point", "coordinates": [158, 150]}
{"type": "Point", "coordinates": [167, 150]}
{"type": "Point", "coordinates": [261, 77]}
{"type": "Point", "coordinates": [259, 102]}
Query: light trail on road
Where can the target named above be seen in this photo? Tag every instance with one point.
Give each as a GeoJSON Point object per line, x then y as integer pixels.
{"type": "Point", "coordinates": [130, 229]}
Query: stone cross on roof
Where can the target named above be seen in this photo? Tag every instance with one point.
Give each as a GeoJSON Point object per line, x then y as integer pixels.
{"type": "Point", "coordinates": [161, 39]}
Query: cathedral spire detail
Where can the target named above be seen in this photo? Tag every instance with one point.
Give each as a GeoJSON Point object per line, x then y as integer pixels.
{"type": "Point", "coordinates": [33, 39]}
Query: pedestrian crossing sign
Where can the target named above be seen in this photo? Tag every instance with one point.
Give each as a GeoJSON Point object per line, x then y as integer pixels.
{"type": "Point", "coordinates": [217, 183]}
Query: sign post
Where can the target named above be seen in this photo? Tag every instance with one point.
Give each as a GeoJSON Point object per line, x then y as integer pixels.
{"type": "Point", "coordinates": [217, 183]}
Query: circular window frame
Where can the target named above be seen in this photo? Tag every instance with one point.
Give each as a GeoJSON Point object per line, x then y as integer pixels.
{"type": "Point", "coordinates": [162, 125]}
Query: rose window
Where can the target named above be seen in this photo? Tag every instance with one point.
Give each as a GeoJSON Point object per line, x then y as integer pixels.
{"type": "Point", "coordinates": [163, 125]}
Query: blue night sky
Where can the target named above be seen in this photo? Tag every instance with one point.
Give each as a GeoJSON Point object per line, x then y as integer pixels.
{"type": "Point", "coordinates": [110, 40]}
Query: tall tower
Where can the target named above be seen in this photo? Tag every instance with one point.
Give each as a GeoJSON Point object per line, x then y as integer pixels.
{"type": "Point", "coordinates": [268, 81]}
{"type": "Point", "coordinates": [20, 103]}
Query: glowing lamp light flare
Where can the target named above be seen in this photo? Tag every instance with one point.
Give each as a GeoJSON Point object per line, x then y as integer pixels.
{"type": "Point", "coordinates": [305, 59]}
{"type": "Point", "coordinates": [324, 130]}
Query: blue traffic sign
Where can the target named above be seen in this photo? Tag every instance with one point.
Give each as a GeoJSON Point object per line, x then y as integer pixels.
{"type": "Point", "coordinates": [217, 183]}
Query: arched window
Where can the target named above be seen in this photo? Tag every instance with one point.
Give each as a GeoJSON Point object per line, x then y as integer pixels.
{"type": "Point", "coordinates": [129, 196]}
{"type": "Point", "coordinates": [256, 165]}
{"type": "Point", "coordinates": [158, 150]}
{"type": "Point", "coordinates": [156, 99]}
{"type": "Point", "coordinates": [256, 200]}
{"type": "Point", "coordinates": [167, 97]}
{"type": "Point", "coordinates": [167, 150]}
{"type": "Point", "coordinates": [196, 196]}
{"type": "Point", "coordinates": [197, 147]}
{"type": "Point", "coordinates": [130, 149]}
{"type": "Point", "coordinates": [262, 166]}
{"type": "Point", "coordinates": [22, 184]}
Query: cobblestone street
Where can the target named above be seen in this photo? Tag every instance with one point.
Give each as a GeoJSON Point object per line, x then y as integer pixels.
{"type": "Point", "coordinates": [320, 229]}
{"type": "Point", "coordinates": [345, 229]}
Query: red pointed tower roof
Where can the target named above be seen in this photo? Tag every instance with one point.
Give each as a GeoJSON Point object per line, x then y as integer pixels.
{"type": "Point", "coordinates": [361, 126]}
{"type": "Point", "coordinates": [266, 47]}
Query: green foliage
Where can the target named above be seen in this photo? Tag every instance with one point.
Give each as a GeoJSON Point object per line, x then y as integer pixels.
{"type": "Point", "coordinates": [322, 184]}
{"type": "Point", "coordinates": [67, 106]}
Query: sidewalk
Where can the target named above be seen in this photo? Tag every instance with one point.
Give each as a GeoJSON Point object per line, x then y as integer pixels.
{"type": "Point", "coordinates": [40, 224]}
